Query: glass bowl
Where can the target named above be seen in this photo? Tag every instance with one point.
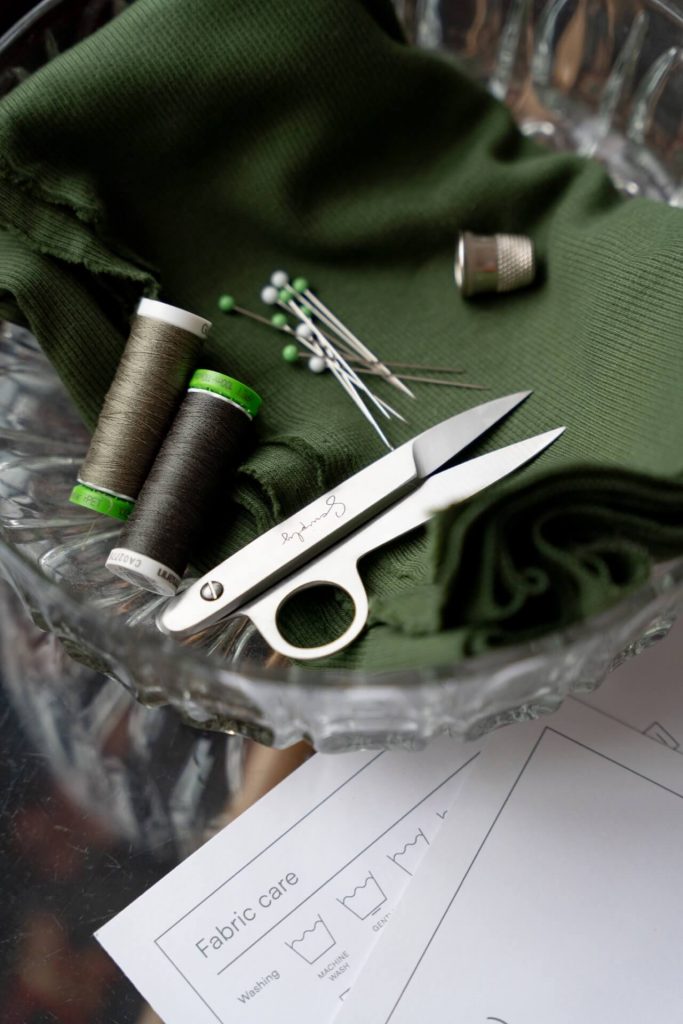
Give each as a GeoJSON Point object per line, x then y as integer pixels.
{"type": "Point", "coordinates": [601, 77]}
{"type": "Point", "coordinates": [226, 679]}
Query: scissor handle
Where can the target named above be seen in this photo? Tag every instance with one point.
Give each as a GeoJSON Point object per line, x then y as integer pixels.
{"type": "Point", "coordinates": [329, 569]}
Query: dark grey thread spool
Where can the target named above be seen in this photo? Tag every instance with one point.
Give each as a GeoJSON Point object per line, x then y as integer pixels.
{"type": "Point", "coordinates": [207, 441]}
{"type": "Point", "coordinates": [159, 357]}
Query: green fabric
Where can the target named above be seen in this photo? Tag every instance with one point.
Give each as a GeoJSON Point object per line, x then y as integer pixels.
{"type": "Point", "coordinates": [187, 150]}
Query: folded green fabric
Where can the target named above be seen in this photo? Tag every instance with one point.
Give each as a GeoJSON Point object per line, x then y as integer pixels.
{"type": "Point", "coordinates": [186, 150]}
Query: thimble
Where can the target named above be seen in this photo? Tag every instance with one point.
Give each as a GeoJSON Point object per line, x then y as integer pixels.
{"type": "Point", "coordinates": [493, 263]}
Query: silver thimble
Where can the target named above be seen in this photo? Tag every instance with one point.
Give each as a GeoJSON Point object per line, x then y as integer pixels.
{"type": "Point", "coordinates": [493, 263]}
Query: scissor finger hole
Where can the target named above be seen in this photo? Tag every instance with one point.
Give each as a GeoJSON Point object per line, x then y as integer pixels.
{"type": "Point", "coordinates": [315, 616]}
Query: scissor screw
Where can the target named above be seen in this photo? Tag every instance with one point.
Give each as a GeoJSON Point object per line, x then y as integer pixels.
{"type": "Point", "coordinates": [211, 591]}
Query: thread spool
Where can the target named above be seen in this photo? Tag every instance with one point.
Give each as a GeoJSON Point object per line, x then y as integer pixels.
{"type": "Point", "coordinates": [205, 444]}
{"type": "Point", "coordinates": [160, 355]}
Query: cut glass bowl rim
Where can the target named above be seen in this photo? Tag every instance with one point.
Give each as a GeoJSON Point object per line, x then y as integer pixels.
{"type": "Point", "coordinates": [664, 576]}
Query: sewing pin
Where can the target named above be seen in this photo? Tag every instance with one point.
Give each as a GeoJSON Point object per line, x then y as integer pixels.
{"type": "Point", "coordinates": [335, 325]}
{"type": "Point", "coordinates": [320, 345]}
{"type": "Point", "coordinates": [300, 285]}
{"type": "Point", "coordinates": [318, 364]}
{"type": "Point", "coordinates": [309, 333]}
{"type": "Point", "coordinates": [307, 337]}
{"type": "Point", "coordinates": [354, 358]}
{"type": "Point", "coordinates": [304, 314]}
{"type": "Point", "coordinates": [433, 380]}
{"type": "Point", "coordinates": [227, 304]}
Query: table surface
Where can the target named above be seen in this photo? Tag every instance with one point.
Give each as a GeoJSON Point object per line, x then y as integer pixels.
{"type": "Point", "coordinates": [90, 820]}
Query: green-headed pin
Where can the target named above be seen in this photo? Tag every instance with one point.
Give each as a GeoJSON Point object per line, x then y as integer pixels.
{"type": "Point", "coordinates": [290, 353]}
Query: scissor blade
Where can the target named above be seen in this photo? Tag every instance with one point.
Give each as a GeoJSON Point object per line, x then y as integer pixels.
{"type": "Point", "coordinates": [439, 444]}
{"type": "Point", "coordinates": [449, 487]}
{"type": "Point", "coordinates": [325, 521]}
{"type": "Point", "coordinates": [464, 481]}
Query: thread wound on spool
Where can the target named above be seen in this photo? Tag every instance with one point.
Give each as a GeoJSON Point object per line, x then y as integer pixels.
{"type": "Point", "coordinates": [151, 378]}
{"type": "Point", "coordinates": [207, 441]}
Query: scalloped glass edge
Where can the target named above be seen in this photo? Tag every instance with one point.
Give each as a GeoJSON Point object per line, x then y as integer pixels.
{"type": "Point", "coordinates": [340, 711]}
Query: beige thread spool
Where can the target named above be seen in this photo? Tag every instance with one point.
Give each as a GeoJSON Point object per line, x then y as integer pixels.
{"type": "Point", "coordinates": [157, 363]}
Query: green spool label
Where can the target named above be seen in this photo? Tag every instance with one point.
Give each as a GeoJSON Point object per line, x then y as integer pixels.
{"type": "Point", "coordinates": [226, 387]}
{"type": "Point", "coordinates": [100, 501]}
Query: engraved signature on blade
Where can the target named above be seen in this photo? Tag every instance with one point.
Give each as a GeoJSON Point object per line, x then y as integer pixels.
{"type": "Point", "coordinates": [339, 509]}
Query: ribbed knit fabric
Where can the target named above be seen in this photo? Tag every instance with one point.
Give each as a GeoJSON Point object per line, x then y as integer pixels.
{"type": "Point", "coordinates": [186, 150]}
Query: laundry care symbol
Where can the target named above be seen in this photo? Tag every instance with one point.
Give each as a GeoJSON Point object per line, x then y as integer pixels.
{"type": "Point", "coordinates": [313, 942]}
{"type": "Point", "coordinates": [410, 854]}
{"type": "Point", "coordinates": [366, 898]}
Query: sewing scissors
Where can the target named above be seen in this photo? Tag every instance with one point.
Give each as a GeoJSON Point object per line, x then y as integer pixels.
{"type": "Point", "coordinates": [323, 542]}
